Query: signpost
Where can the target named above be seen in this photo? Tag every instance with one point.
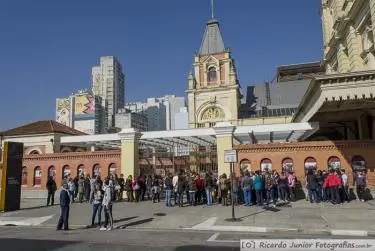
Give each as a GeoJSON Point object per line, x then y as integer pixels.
{"type": "Point", "coordinates": [231, 157]}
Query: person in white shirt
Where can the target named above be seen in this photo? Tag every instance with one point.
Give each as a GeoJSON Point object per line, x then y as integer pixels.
{"type": "Point", "coordinates": [175, 187]}
{"type": "Point", "coordinates": [107, 206]}
{"type": "Point", "coordinates": [345, 186]}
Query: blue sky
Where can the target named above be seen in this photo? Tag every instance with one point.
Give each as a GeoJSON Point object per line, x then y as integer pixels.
{"type": "Point", "coordinates": [47, 48]}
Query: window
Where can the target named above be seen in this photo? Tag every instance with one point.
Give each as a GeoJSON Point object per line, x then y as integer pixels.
{"type": "Point", "coordinates": [52, 171]}
{"type": "Point", "coordinates": [112, 169]}
{"type": "Point", "coordinates": [81, 170]}
{"type": "Point", "coordinates": [37, 176]}
{"type": "Point", "coordinates": [200, 125]}
{"type": "Point", "coordinates": [24, 176]}
{"type": "Point", "coordinates": [96, 170]}
{"type": "Point", "coordinates": [66, 172]}
{"type": "Point", "coordinates": [334, 163]}
{"type": "Point", "coordinates": [287, 165]}
{"type": "Point", "coordinates": [212, 124]}
{"type": "Point", "coordinates": [266, 164]}
{"type": "Point", "coordinates": [211, 76]}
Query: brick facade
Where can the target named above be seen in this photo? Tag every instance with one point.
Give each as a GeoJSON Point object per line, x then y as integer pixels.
{"type": "Point", "coordinates": [299, 152]}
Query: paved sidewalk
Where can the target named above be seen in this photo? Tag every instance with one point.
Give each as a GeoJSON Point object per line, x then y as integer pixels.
{"type": "Point", "coordinates": [355, 218]}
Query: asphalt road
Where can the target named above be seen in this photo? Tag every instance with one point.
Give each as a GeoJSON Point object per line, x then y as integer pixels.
{"type": "Point", "coordinates": [48, 239]}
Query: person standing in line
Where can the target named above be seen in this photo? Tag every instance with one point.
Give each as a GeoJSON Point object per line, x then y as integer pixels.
{"type": "Point", "coordinates": [208, 183]}
{"type": "Point", "coordinates": [282, 184]}
{"type": "Point", "coordinates": [192, 191]}
{"type": "Point", "coordinates": [168, 187]}
{"type": "Point", "coordinates": [360, 183]}
{"type": "Point", "coordinates": [97, 206]}
{"type": "Point", "coordinates": [156, 188]}
{"type": "Point", "coordinates": [292, 186]}
{"type": "Point", "coordinates": [345, 186]}
{"type": "Point", "coordinates": [64, 206]}
{"type": "Point", "coordinates": [247, 184]}
{"type": "Point", "coordinates": [81, 187]}
{"type": "Point", "coordinates": [51, 188]}
{"type": "Point", "coordinates": [72, 189]}
{"type": "Point", "coordinates": [175, 187]}
{"type": "Point", "coordinates": [87, 187]}
{"type": "Point", "coordinates": [180, 190]}
{"type": "Point", "coordinates": [258, 186]}
{"type": "Point", "coordinates": [312, 186]}
{"type": "Point", "coordinates": [121, 183]}
{"type": "Point", "coordinates": [149, 187]}
{"type": "Point", "coordinates": [107, 205]}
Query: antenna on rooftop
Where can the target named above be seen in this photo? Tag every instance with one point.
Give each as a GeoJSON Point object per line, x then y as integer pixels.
{"type": "Point", "coordinates": [212, 9]}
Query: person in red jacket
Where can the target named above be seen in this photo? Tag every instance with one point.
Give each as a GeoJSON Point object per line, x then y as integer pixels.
{"type": "Point", "coordinates": [199, 183]}
{"type": "Point", "coordinates": [333, 182]}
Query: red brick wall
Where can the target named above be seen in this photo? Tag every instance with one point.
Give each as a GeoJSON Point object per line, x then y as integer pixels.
{"type": "Point", "coordinates": [320, 150]}
{"type": "Point", "coordinates": [73, 160]}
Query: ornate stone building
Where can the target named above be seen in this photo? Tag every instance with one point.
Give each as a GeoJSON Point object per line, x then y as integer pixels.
{"type": "Point", "coordinates": [348, 35]}
{"type": "Point", "coordinates": [213, 91]}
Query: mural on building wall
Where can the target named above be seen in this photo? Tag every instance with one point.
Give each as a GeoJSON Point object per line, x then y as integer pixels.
{"type": "Point", "coordinates": [63, 111]}
{"type": "Point", "coordinates": [84, 107]}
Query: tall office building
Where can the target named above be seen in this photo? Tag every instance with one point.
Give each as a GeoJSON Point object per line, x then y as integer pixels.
{"type": "Point", "coordinates": [108, 82]}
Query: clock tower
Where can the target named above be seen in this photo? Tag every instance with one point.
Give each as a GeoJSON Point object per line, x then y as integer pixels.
{"type": "Point", "coordinates": [213, 89]}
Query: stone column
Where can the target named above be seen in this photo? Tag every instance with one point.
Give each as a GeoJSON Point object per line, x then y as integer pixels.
{"type": "Point", "coordinates": [224, 141]}
{"type": "Point", "coordinates": [372, 14]}
{"type": "Point", "coordinates": [129, 152]}
{"type": "Point", "coordinates": [354, 49]}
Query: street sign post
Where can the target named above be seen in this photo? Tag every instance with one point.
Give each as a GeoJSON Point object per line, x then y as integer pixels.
{"type": "Point", "coordinates": [231, 157]}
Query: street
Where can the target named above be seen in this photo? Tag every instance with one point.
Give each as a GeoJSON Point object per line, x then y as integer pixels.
{"type": "Point", "coordinates": [45, 238]}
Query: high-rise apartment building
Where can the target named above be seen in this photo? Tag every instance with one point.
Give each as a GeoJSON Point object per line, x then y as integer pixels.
{"type": "Point", "coordinates": [348, 35]}
{"type": "Point", "coordinates": [108, 82]}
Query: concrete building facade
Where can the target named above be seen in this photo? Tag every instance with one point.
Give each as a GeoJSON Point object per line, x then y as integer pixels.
{"type": "Point", "coordinates": [108, 82]}
{"type": "Point", "coordinates": [127, 119]}
{"type": "Point", "coordinates": [160, 111]}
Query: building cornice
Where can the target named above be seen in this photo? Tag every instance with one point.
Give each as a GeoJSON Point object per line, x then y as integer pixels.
{"type": "Point", "coordinates": [73, 155]}
{"type": "Point", "coordinates": [305, 146]}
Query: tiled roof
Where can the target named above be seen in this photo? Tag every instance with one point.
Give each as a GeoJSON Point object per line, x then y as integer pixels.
{"type": "Point", "coordinates": [42, 127]}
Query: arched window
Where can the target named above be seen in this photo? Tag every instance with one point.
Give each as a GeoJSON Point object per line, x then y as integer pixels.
{"type": "Point", "coordinates": [52, 171]}
{"type": "Point", "coordinates": [112, 169]}
{"type": "Point", "coordinates": [334, 163]}
{"type": "Point", "coordinates": [211, 75]}
{"type": "Point", "coordinates": [96, 170]}
{"type": "Point", "coordinates": [358, 163]}
{"type": "Point", "coordinates": [245, 165]}
{"type": "Point", "coordinates": [37, 176]}
{"type": "Point", "coordinates": [66, 172]}
{"type": "Point", "coordinates": [34, 152]}
{"type": "Point", "coordinates": [287, 165]}
{"type": "Point", "coordinates": [24, 176]}
{"type": "Point", "coordinates": [81, 170]}
{"type": "Point", "coordinates": [310, 163]}
{"type": "Point", "coordinates": [266, 164]}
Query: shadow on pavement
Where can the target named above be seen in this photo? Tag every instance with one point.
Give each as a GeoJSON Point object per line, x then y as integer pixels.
{"type": "Point", "coordinates": [40, 245]}
{"type": "Point", "coordinates": [135, 223]}
{"type": "Point", "coordinates": [205, 248]}
{"type": "Point", "coordinates": [37, 207]}
{"type": "Point", "coordinates": [125, 219]}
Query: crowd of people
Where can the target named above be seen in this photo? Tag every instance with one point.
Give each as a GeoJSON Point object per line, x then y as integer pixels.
{"type": "Point", "coordinates": [258, 188]}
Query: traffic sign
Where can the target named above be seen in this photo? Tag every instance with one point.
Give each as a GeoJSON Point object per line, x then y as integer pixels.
{"type": "Point", "coordinates": [230, 156]}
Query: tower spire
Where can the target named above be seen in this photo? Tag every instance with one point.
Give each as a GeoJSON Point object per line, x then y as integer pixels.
{"type": "Point", "coordinates": [212, 9]}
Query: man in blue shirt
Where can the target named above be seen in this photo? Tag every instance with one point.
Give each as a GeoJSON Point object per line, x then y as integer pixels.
{"type": "Point", "coordinates": [64, 205]}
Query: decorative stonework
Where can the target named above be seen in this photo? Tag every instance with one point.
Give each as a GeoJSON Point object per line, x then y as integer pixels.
{"type": "Point", "coordinates": [213, 113]}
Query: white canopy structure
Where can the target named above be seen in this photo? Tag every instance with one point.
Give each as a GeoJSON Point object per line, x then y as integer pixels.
{"type": "Point", "coordinates": [201, 136]}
